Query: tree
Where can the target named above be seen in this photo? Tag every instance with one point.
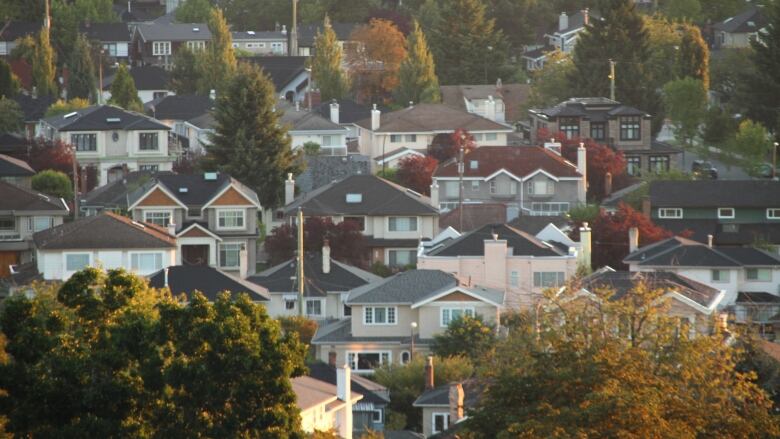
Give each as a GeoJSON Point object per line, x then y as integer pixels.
{"type": "Point", "coordinates": [193, 11]}
{"type": "Point", "coordinates": [106, 355]}
{"type": "Point", "coordinates": [686, 105]}
{"type": "Point", "coordinates": [446, 146]}
{"type": "Point", "coordinates": [760, 90]}
{"type": "Point", "coordinates": [185, 73]}
{"type": "Point", "coordinates": [81, 78]}
{"type": "Point", "coordinates": [694, 55]}
{"type": "Point", "coordinates": [47, 154]}
{"type": "Point", "coordinates": [123, 91]}
{"type": "Point", "coordinates": [9, 83]}
{"type": "Point", "coordinates": [469, 337]}
{"type": "Point", "coordinates": [416, 172]}
{"type": "Point", "coordinates": [751, 143]}
{"type": "Point", "coordinates": [417, 81]}
{"type": "Point", "coordinates": [550, 84]}
{"type": "Point", "coordinates": [65, 107]}
{"type": "Point", "coordinates": [249, 143]}
{"type": "Point", "coordinates": [43, 69]}
{"type": "Point", "coordinates": [218, 61]}
{"type": "Point", "coordinates": [727, 73]}
{"type": "Point", "coordinates": [326, 64]}
{"type": "Point", "coordinates": [719, 127]}
{"type": "Point", "coordinates": [617, 367]}
{"type": "Point", "coordinates": [718, 10]}
{"type": "Point", "coordinates": [11, 116]}
{"type": "Point", "coordinates": [683, 10]}
{"type": "Point", "coordinates": [346, 241]}
{"type": "Point", "coordinates": [375, 65]}
{"type": "Point", "coordinates": [54, 183]}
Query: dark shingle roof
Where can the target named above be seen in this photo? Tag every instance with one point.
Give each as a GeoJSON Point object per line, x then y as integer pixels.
{"type": "Point", "coordinates": [733, 234]}
{"type": "Point", "coordinates": [360, 384]}
{"type": "Point", "coordinates": [258, 35]}
{"type": "Point", "coordinates": [198, 191]}
{"type": "Point", "coordinates": [16, 198]}
{"type": "Point", "coordinates": [104, 231]}
{"type": "Point", "coordinates": [13, 30]}
{"type": "Point", "coordinates": [474, 216]}
{"type": "Point", "coordinates": [321, 170]}
{"type": "Point", "coordinates": [683, 252]}
{"type": "Point", "coordinates": [520, 161]}
{"type": "Point", "coordinates": [473, 243]}
{"type": "Point", "coordinates": [595, 109]}
{"type": "Point", "coordinates": [106, 32]}
{"type": "Point", "coordinates": [165, 30]}
{"type": "Point", "coordinates": [514, 96]}
{"type": "Point", "coordinates": [308, 32]}
{"type": "Point", "coordinates": [281, 69]}
{"type": "Point", "coordinates": [179, 107]}
{"type": "Point", "coordinates": [622, 282]}
{"type": "Point", "coordinates": [304, 120]}
{"type": "Point", "coordinates": [145, 78]}
{"type": "Point", "coordinates": [349, 111]}
{"type": "Point", "coordinates": [12, 167]}
{"type": "Point", "coordinates": [432, 117]}
{"type": "Point", "coordinates": [439, 396]}
{"type": "Point", "coordinates": [379, 197]}
{"type": "Point", "coordinates": [208, 280]}
{"type": "Point", "coordinates": [104, 118]}
{"type": "Point", "coordinates": [535, 224]}
{"type": "Point", "coordinates": [406, 287]}
{"type": "Point", "coordinates": [715, 193]}
{"type": "Point", "coordinates": [114, 195]}
{"type": "Point", "coordinates": [750, 20]}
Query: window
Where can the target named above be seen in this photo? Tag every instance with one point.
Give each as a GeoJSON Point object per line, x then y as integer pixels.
{"type": "Point", "coordinates": [160, 217]}
{"type": "Point", "coordinates": [773, 213]}
{"type": "Point", "coordinates": [401, 258]}
{"type": "Point", "coordinates": [7, 223]}
{"type": "Point", "coordinates": [545, 279]}
{"type": "Point", "coordinates": [448, 314]}
{"type": "Point", "coordinates": [441, 422]}
{"type": "Point", "coordinates": [730, 228]}
{"type": "Point", "coordinates": [77, 261]}
{"type": "Point", "coordinates": [541, 187]}
{"type": "Point", "coordinates": [598, 131]}
{"type": "Point", "coordinates": [474, 164]}
{"type": "Point", "coordinates": [491, 136]}
{"type": "Point", "coordinates": [670, 213]}
{"type": "Point", "coordinates": [149, 168]}
{"type": "Point", "coordinates": [475, 185]}
{"type": "Point", "coordinates": [405, 357]}
{"type": "Point", "coordinates": [314, 307]}
{"type": "Point", "coordinates": [725, 212]}
{"type": "Point", "coordinates": [327, 140]}
{"type": "Point", "coordinates": [549, 208]}
{"type": "Point", "coordinates": [145, 263]}
{"type": "Point", "coordinates": [376, 415]}
{"type": "Point", "coordinates": [84, 142]}
{"type": "Point", "coordinates": [148, 142]}
{"type": "Point", "coordinates": [159, 94]}
{"type": "Point", "coordinates": [160, 48]}
{"type": "Point", "coordinates": [289, 304]}
{"type": "Point", "coordinates": [514, 279]}
{"type": "Point", "coordinates": [276, 47]}
{"type": "Point", "coordinates": [477, 137]}
{"type": "Point", "coordinates": [633, 165]}
{"type": "Point", "coordinates": [630, 128]}
{"type": "Point", "coordinates": [570, 127]}
{"type": "Point", "coordinates": [38, 223]}
{"type": "Point", "coordinates": [402, 224]}
{"type": "Point", "coordinates": [759, 274]}
{"type": "Point", "coordinates": [396, 138]}
{"type": "Point", "coordinates": [230, 255]}
{"type": "Point", "coordinates": [197, 45]}
{"type": "Point", "coordinates": [721, 276]}
{"type": "Point", "coordinates": [232, 219]}
{"type": "Point", "coordinates": [493, 187]}
{"type": "Point", "coordinates": [659, 163]}
{"type": "Point", "coordinates": [110, 49]}
{"type": "Point", "coordinates": [379, 315]}
{"type": "Point", "coordinates": [367, 361]}
{"type": "Point", "coordinates": [411, 137]}
{"type": "Point", "coordinates": [360, 221]}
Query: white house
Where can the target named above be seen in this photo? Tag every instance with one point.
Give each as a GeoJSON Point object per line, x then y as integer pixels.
{"type": "Point", "coordinates": [305, 126]}
{"type": "Point", "coordinates": [261, 43]}
{"type": "Point", "coordinates": [325, 407]}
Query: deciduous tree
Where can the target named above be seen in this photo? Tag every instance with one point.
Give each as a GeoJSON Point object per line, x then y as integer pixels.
{"type": "Point", "coordinates": [760, 89]}
{"type": "Point", "coordinates": [43, 67]}
{"type": "Point", "coordinates": [376, 60]}
{"type": "Point", "coordinates": [469, 337]}
{"type": "Point", "coordinates": [218, 62]}
{"type": "Point", "coordinates": [447, 146]}
{"type": "Point", "coordinates": [550, 85]}
{"type": "Point", "coordinates": [11, 116]}
{"type": "Point", "coordinates": [47, 154]}
{"type": "Point", "coordinates": [54, 183]}
{"type": "Point", "coordinates": [694, 55]}
{"type": "Point", "coordinates": [417, 81]}
{"type": "Point", "coordinates": [345, 239]}
{"type": "Point", "coordinates": [686, 105]}
{"type": "Point", "coordinates": [9, 83]}
{"type": "Point", "coordinates": [123, 91]}
{"type": "Point", "coordinates": [416, 172]}
{"type": "Point", "coordinates": [65, 107]}
{"type": "Point", "coordinates": [751, 143]}
{"type": "Point", "coordinates": [326, 64]}
{"type": "Point", "coordinates": [193, 11]}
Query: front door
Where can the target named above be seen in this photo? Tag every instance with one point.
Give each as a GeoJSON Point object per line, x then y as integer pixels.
{"type": "Point", "coordinates": [195, 254]}
{"type": "Point", "coordinates": [7, 259]}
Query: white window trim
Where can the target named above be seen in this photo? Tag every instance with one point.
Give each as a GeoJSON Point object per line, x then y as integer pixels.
{"type": "Point", "coordinates": [733, 213]}
{"type": "Point", "coordinates": [157, 45]}
{"type": "Point", "coordinates": [381, 416]}
{"type": "Point", "coordinates": [219, 251]}
{"type": "Point", "coordinates": [243, 219]}
{"type": "Point", "coordinates": [773, 213]}
{"type": "Point", "coordinates": [416, 224]}
{"type": "Point", "coordinates": [355, 369]}
{"type": "Point", "coordinates": [720, 281]}
{"type": "Point", "coordinates": [130, 261]}
{"type": "Point", "coordinates": [454, 307]}
{"type": "Point", "coordinates": [148, 211]}
{"type": "Point", "coordinates": [401, 357]}
{"type": "Point", "coordinates": [747, 279]}
{"type": "Point", "coordinates": [322, 306]}
{"type": "Point", "coordinates": [373, 315]}
{"type": "Point", "coordinates": [664, 212]}
{"type": "Point", "coordinates": [433, 421]}
{"type": "Point", "coordinates": [65, 255]}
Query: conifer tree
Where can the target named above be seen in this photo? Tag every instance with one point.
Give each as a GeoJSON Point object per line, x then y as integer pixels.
{"type": "Point", "coordinates": [326, 64]}
{"type": "Point", "coordinates": [81, 78]}
{"type": "Point", "coordinates": [193, 11]}
{"type": "Point", "coordinates": [43, 70]}
{"type": "Point", "coordinates": [185, 72]}
{"type": "Point", "coordinates": [417, 76]}
{"type": "Point", "coordinates": [9, 84]}
{"type": "Point", "coordinates": [249, 143]}
{"type": "Point", "coordinates": [123, 91]}
{"type": "Point", "coordinates": [218, 61]}
{"type": "Point", "coordinates": [759, 92]}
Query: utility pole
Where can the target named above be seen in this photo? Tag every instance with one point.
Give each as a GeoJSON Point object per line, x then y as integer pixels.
{"type": "Point", "coordinates": [774, 160]}
{"type": "Point", "coordinates": [301, 280]}
{"type": "Point", "coordinates": [293, 47]}
{"type": "Point", "coordinates": [100, 75]}
{"type": "Point", "coordinates": [612, 79]}
{"type": "Point", "coordinates": [460, 181]}
{"type": "Point", "coordinates": [75, 185]}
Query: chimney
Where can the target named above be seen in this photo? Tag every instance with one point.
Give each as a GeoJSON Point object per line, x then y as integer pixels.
{"type": "Point", "coordinates": [582, 168]}
{"type": "Point", "coordinates": [297, 105]}
{"type": "Point", "coordinates": [213, 95]}
{"type": "Point", "coordinates": [585, 246]}
{"type": "Point", "coordinates": [172, 228]}
{"type": "Point", "coordinates": [646, 208]}
{"type": "Point", "coordinates": [490, 109]}
{"type": "Point", "coordinates": [709, 241]}
{"type": "Point", "coordinates": [334, 111]}
{"type": "Point", "coordinates": [435, 194]}
{"type": "Point", "coordinates": [289, 189]}
{"type": "Point", "coordinates": [553, 146]}
{"type": "Point", "coordinates": [585, 16]}
{"type": "Point", "coordinates": [165, 273]}
{"type": "Point", "coordinates": [563, 21]}
{"type": "Point", "coordinates": [633, 239]}
{"type": "Point", "coordinates": [429, 383]}
{"type": "Point", "coordinates": [326, 257]}
{"type": "Point", "coordinates": [314, 96]}
{"type": "Point", "coordinates": [129, 7]}
{"type": "Point", "coordinates": [376, 118]}
{"type": "Point", "coordinates": [607, 184]}
{"type": "Point", "coordinates": [344, 393]}
{"type": "Point", "coordinates": [456, 398]}
{"type": "Point", "coordinates": [243, 261]}
{"type": "Point", "coordinates": [332, 358]}
{"type": "Point", "coordinates": [495, 262]}
{"type": "Point", "coordinates": [284, 29]}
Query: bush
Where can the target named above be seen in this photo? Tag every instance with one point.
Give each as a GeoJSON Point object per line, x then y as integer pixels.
{"type": "Point", "coordinates": [53, 183]}
{"type": "Point", "coordinates": [469, 337]}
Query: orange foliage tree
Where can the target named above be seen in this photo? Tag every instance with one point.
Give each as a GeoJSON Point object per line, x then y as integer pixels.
{"type": "Point", "coordinates": [375, 57]}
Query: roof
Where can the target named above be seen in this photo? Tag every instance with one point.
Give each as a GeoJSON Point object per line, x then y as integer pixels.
{"type": "Point", "coordinates": [204, 121]}
{"type": "Point", "coordinates": [514, 96]}
{"type": "Point", "coordinates": [104, 118]}
{"type": "Point", "coordinates": [145, 77]}
{"type": "Point", "coordinates": [308, 32]}
{"type": "Point", "coordinates": [371, 391]}
{"type": "Point", "coordinates": [167, 31]}
{"type": "Point", "coordinates": [756, 298]}
{"type": "Point", "coordinates": [33, 108]}
{"type": "Point", "coordinates": [439, 396]}
{"type": "Point", "coordinates": [520, 161]}
{"type": "Point", "coordinates": [726, 234]}
{"type": "Point", "coordinates": [748, 21]}
{"type": "Point", "coordinates": [473, 243]}
{"type": "Point", "coordinates": [377, 197]}
{"type": "Point", "coordinates": [13, 167]}
{"type": "Point", "coordinates": [13, 30]}
{"type": "Point", "coordinates": [340, 331]}
{"type": "Point", "coordinates": [534, 224]}
{"type": "Point", "coordinates": [208, 280]}
{"type": "Point", "coordinates": [310, 392]}
{"type": "Point", "coordinates": [576, 22]}
{"type": "Point", "coordinates": [258, 35]}
{"type": "Point", "coordinates": [715, 193]}
{"type": "Point", "coordinates": [299, 119]}
{"type": "Point", "coordinates": [179, 107]}
{"type": "Point", "coordinates": [596, 109]}
{"type": "Point", "coordinates": [474, 216]}
{"type": "Point", "coordinates": [281, 69]}
{"type": "Point", "coordinates": [349, 110]}
{"type": "Point", "coordinates": [19, 199]}
{"type": "Point", "coordinates": [342, 277]}
{"type": "Point", "coordinates": [104, 231]}
{"type": "Point", "coordinates": [106, 31]}
{"type": "Point", "coordinates": [683, 252]}
{"type": "Point", "coordinates": [322, 169]}
{"type": "Point", "coordinates": [114, 195]}
{"type": "Point", "coordinates": [432, 118]}
{"type": "Point", "coordinates": [473, 388]}
{"type": "Point", "coordinates": [192, 190]}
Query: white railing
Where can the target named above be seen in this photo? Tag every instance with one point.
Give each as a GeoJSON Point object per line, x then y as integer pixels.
{"type": "Point", "coordinates": [10, 236]}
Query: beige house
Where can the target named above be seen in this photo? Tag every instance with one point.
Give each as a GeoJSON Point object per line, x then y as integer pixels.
{"type": "Point", "coordinates": [397, 317]}
{"type": "Point", "coordinates": [325, 407]}
{"type": "Point", "coordinates": [736, 32]}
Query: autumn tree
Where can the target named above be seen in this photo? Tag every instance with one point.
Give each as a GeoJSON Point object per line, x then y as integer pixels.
{"type": "Point", "coordinates": [376, 59]}
{"type": "Point", "coordinates": [11, 116]}
{"type": "Point", "coordinates": [64, 107]}
{"type": "Point", "coordinates": [81, 78]}
{"type": "Point", "coordinates": [446, 146]}
{"type": "Point", "coordinates": [217, 62]}
{"type": "Point", "coordinates": [694, 55]}
{"type": "Point", "coordinates": [9, 83]}
{"type": "Point", "coordinates": [54, 183]}
{"type": "Point", "coordinates": [47, 154]}
{"type": "Point", "coordinates": [345, 239]}
{"type": "Point", "coordinates": [416, 173]}
{"type": "Point", "coordinates": [326, 64]}
{"type": "Point", "coordinates": [417, 81]}
{"type": "Point", "coordinates": [123, 91]}
{"type": "Point", "coordinates": [42, 62]}
{"type": "Point", "coordinates": [686, 105]}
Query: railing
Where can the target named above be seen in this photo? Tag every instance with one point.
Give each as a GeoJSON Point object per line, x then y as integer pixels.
{"type": "Point", "coordinates": [10, 236]}
{"type": "Point", "coordinates": [548, 209]}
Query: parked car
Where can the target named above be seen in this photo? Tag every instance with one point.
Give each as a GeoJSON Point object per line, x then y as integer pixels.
{"type": "Point", "coordinates": [763, 170]}
{"type": "Point", "coordinates": [704, 168]}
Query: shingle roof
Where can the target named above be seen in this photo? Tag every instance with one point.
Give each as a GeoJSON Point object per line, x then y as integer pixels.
{"type": "Point", "coordinates": [727, 234]}
{"type": "Point", "coordinates": [433, 117]}
{"type": "Point", "coordinates": [622, 282]}
{"type": "Point", "coordinates": [715, 193]}
{"type": "Point", "coordinates": [304, 120]}
{"type": "Point", "coordinates": [378, 197]}
{"type": "Point", "coordinates": [104, 231]}
{"type": "Point", "coordinates": [682, 252]}
{"type": "Point", "coordinates": [750, 20]}
{"type": "Point", "coordinates": [258, 35]}
{"type": "Point", "coordinates": [16, 198]}
{"type": "Point", "coordinates": [440, 396]}
{"type": "Point", "coordinates": [208, 280]}
{"type": "Point", "coordinates": [474, 216]}
{"type": "Point", "coordinates": [307, 32]}
{"type": "Point", "coordinates": [281, 69]}
{"type": "Point", "coordinates": [310, 392]}
{"type": "Point", "coordinates": [473, 243]}
{"type": "Point", "coordinates": [106, 32]}
{"type": "Point", "coordinates": [360, 384]}
{"type": "Point", "coordinates": [158, 31]}
{"type": "Point", "coordinates": [114, 195]}
{"type": "Point", "coordinates": [321, 170]}
{"type": "Point", "coordinates": [12, 167]}
{"type": "Point", "coordinates": [204, 121]}
{"type": "Point", "coordinates": [520, 161]}
{"type": "Point", "coordinates": [179, 107]}
{"type": "Point", "coordinates": [514, 96]}
{"type": "Point", "coordinates": [198, 191]}
{"type": "Point", "coordinates": [340, 331]}
{"type": "Point", "coordinates": [145, 78]}
{"type": "Point", "coordinates": [535, 224]}
{"type": "Point", "coordinates": [13, 30]}
{"type": "Point", "coordinates": [104, 118]}
{"type": "Point", "coordinates": [596, 109]}
{"type": "Point", "coordinates": [349, 111]}
{"type": "Point", "coordinates": [756, 297]}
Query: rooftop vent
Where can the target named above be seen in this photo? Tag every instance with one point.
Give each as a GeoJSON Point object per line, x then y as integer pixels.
{"type": "Point", "coordinates": [354, 198]}
{"type": "Point", "coordinates": [113, 120]}
{"type": "Point", "coordinates": [210, 176]}
{"type": "Point", "coordinates": [751, 24]}
{"type": "Point", "coordinates": [196, 29]}
{"type": "Point", "coordinates": [183, 190]}
{"type": "Point", "coordinates": [250, 32]}
{"type": "Point", "coordinates": [69, 115]}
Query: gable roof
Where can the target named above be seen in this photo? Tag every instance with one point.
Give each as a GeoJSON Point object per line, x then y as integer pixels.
{"type": "Point", "coordinates": [682, 252]}
{"type": "Point", "coordinates": [145, 77]}
{"type": "Point", "coordinates": [379, 197]}
{"type": "Point", "coordinates": [433, 118]}
{"type": "Point", "coordinates": [715, 193]}
{"type": "Point", "coordinates": [104, 231]}
{"type": "Point", "coordinates": [104, 118]}
{"type": "Point", "coordinates": [371, 391]}
{"type": "Point", "coordinates": [13, 167]}
{"type": "Point", "coordinates": [208, 280]}
{"type": "Point", "coordinates": [305, 120]}
{"type": "Point", "coordinates": [18, 199]}
{"type": "Point", "coordinates": [520, 161]}
{"type": "Point", "coordinates": [349, 110]}
{"type": "Point", "coordinates": [106, 32]}
{"type": "Point", "coordinates": [192, 190]}
{"type": "Point", "coordinates": [749, 21]}
{"type": "Point", "coordinates": [179, 107]}
{"type": "Point", "coordinates": [474, 216]}
{"type": "Point", "coordinates": [311, 392]}
{"type": "Point", "coordinates": [522, 243]}
{"type": "Point", "coordinates": [114, 194]}
{"type": "Point", "coordinates": [167, 31]}
{"type": "Point", "coordinates": [281, 69]}
{"type": "Point", "coordinates": [514, 96]}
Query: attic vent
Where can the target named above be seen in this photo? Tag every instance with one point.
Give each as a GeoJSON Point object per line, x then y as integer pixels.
{"type": "Point", "coordinates": [113, 120]}
{"type": "Point", "coordinates": [69, 115]}
{"type": "Point", "coordinates": [210, 176]}
{"type": "Point", "coordinates": [183, 190]}
{"type": "Point", "coordinates": [354, 198]}
{"type": "Point", "coordinates": [414, 193]}
{"type": "Point", "coordinates": [250, 32]}
{"type": "Point", "coordinates": [196, 29]}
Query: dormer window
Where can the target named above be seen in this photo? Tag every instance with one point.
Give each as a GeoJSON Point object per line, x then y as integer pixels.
{"type": "Point", "coordinates": [354, 198]}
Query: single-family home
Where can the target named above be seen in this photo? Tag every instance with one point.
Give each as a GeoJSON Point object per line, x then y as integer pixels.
{"type": "Point", "coordinates": [181, 113]}
{"type": "Point", "coordinates": [151, 81]}
{"type": "Point", "coordinates": [158, 41]}
{"type": "Point", "coordinates": [12, 31]}
{"type": "Point", "coordinates": [325, 407]}
{"type": "Point", "coordinates": [445, 406]}
{"type": "Point", "coordinates": [198, 131]}
{"type": "Point", "coordinates": [563, 36]}
{"type": "Point", "coordinates": [15, 171]}
{"type": "Point", "coordinates": [112, 197]}
{"type": "Point", "coordinates": [397, 317]}
{"type": "Point", "coordinates": [304, 126]}
{"type": "Point", "coordinates": [213, 216]}
{"type": "Point", "coordinates": [22, 213]}
{"type": "Point", "coordinates": [307, 33]}
{"type": "Point", "coordinates": [500, 102]}
{"type": "Point", "coordinates": [107, 241]}
{"type": "Point", "coordinates": [260, 43]}
{"type": "Point", "coordinates": [114, 38]}
{"type": "Point", "coordinates": [532, 180]}
{"type": "Point", "coordinates": [112, 140]}
{"type": "Point", "coordinates": [346, 113]}
{"type": "Point", "coordinates": [737, 31]}
{"type": "Point", "coordinates": [288, 73]}
{"type": "Point", "coordinates": [609, 122]}
{"type": "Point", "coordinates": [209, 281]}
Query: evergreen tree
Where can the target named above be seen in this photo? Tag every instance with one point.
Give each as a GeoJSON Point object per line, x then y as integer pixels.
{"type": "Point", "coordinates": [417, 76]}
{"type": "Point", "coordinates": [11, 116]}
{"type": "Point", "coordinates": [326, 64]}
{"type": "Point", "coordinates": [43, 70]}
{"type": "Point", "coordinates": [123, 91]}
{"type": "Point", "coordinates": [185, 73]}
{"type": "Point", "coordinates": [218, 61]}
{"type": "Point", "coordinates": [249, 143]}
{"type": "Point", "coordinates": [466, 44]}
{"type": "Point", "coordinates": [193, 11]}
{"type": "Point", "coordinates": [694, 59]}
{"type": "Point", "coordinates": [81, 78]}
{"type": "Point", "coordinates": [759, 92]}
{"type": "Point", "coordinates": [9, 84]}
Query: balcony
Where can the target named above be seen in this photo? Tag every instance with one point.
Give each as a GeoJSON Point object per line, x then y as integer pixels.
{"type": "Point", "coordinates": [548, 209]}
{"type": "Point", "coordinates": [10, 235]}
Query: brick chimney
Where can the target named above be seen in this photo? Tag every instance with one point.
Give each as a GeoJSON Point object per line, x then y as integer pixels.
{"type": "Point", "coordinates": [429, 383]}
{"type": "Point", "coordinates": [456, 397]}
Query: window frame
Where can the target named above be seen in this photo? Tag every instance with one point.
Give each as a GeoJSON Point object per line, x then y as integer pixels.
{"type": "Point", "coordinates": [633, 165]}
{"type": "Point", "coordinates": [464, 310]}
{"type": "Point", "coordinates": [549, 186]}
{"type": "Point", "coordinates": [356, 363]}
{"type": "Point", "coordinates": [377, 419]}
{"type": "Point", "coordinates": [570, 127]}
{"type": "Point", "coordinates": [161, 48]}
{"type": "Point", "coordinates": [758, 270]}
{"type": "Point", "coordinates": [373, 321]}
{"type": "Point", "coordinates": [144, 147]}
{"type": "Point", "coordinates": [412, 256]}
{"type": "Point", "coordinates": [663, 212]}
{"type": "Point", "coordinates": [32, 223]}
{"type": "Point", "coordinates": [146, 213]}
{"type": "Point", "coordinates": [65, 255]}
{"type": "Point", "coordinates": [445, 423]}
{"type": "Point", "coordinates": [80, 145]}
{"type": "Point", "coordinates": [242, 217]}
{"type": "Point", "coordinates": [599, 127]}
{"type": "Point", "coordinates": [321, 303]}
{"type": "Point", "coordinates": [773, 213]}
{"type": "Point", "coordinates": [720, 280]}
{"type": "Point", "coordinates": [12, 220]}
{"type": "Point", "coordinates": [654, 160]}
{"type": "Point", "coordinates": [139, 254]}
{"type": "Point", "coordinates": [220, 260]}
{"type": "Point", "coordinates": [630, 128]}
{"type": "Point", "coordinates": [514, 279]}
{"type": "Point", "coordinates": [560, 279]}
{"type": "Point", "coordinates": [391, 222]}
{"type": "Point", "coordinates": [732, 216]}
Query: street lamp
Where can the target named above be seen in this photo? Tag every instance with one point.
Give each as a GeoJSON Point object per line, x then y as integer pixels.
{"type": "Point", "coordinates": [774, 159]}
{"type": "Point", "coordinates": [413, 326]}
{"type": "Point", "coordinates": [489, 49]}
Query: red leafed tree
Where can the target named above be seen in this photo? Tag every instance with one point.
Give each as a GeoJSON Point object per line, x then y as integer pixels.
{"type": "Point", "coordinates": [46, 154]}
{"type": "Point", "coordinates": [444, 147]}
{"type": "Point", "coordinates": [346, 241]}
{"type": "Point", "coordinates": [416, 173]}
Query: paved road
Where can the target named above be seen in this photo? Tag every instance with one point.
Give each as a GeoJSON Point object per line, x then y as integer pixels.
{"type": "Point", "coordinates": [725, 172]}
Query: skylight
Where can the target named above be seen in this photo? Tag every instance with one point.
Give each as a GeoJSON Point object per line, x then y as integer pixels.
{"type": "Point", "coordinates": [113, 120]}
{"type": "Point", "coordinates": [69, 115]}
{"type": "Point", "coordinates": [210, 176]}
{"type": "Point", "coordinates": [183, 190]}
{"type": "Point", "coordinates": [354, 198]}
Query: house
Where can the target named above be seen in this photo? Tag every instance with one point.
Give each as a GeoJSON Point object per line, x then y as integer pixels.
{"type": "Point", "coordinates": [112, 140]}
{"type": "Point", "coordinates": [22, 213]}
{"type": "Point", "coordinates": [322, 170]}
{"type": "Point", "coordinates": [392, 159]}
{"type": "Point", "coordinates": [346, 113]}
{"type": "Point", "coordinates": [734, 212]}
{"type": "Point", "coordinates": [325, 407]}
{"type": "Point", "coordinates": [209, 281]}
{"type": "Point", "coordinates": [112, 197]}
{"type": "Point", "coordinates": [198, 132]}
{"type": "Point", "coordinates": [307, 33]}
{"type": "Point", "coordinates": [288, 73]}
{"type": "Point", "coordinates": [213, 215]}
{"type": "Point", "coordinates": [416, 127]}
{"type": "Point", "coordinates": [152, 82]}
{"type": "Point", "coordinates": [603, 120]}
{"type": "Point", "coordinates": [183, 113]}
{"type": "Point", "coordinates": [261, 43]}
{"type": "Point", "coordinates": [33, 110]}
{"type": "Point", "coordinates": [500, 102]}
{"type": "Point", "coordinates": [158, 41]}
{"type": "Point", "coordinates": [370, 413]}
{"type": "Point", "coordinates": [392, 218]}
{"type": "Point", "coordinates": [737, 31]}
{"type": "Point", "coordinates": [445, 406]}
{"type": "Point", "coordinates": [528, 179]}
{"type": "Point", "coordinates": [107, 241]}
{"type": "Point", "coordinates": [505, 258]}
{"type": "Point", "coordinates": [15, 171]}
{"type": "Point", "coordinates": [12, 31]}
{"type": "Point", "coordinates": [114, 38]}
{"type": "Point", "coordinates": [304, 126]}
{"type": "Point", "coordinates": [326, 284]}
{"type": "Point", "coordinates": [563, 37]}
{"type": "Point", "coordinates": [397, 317]}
